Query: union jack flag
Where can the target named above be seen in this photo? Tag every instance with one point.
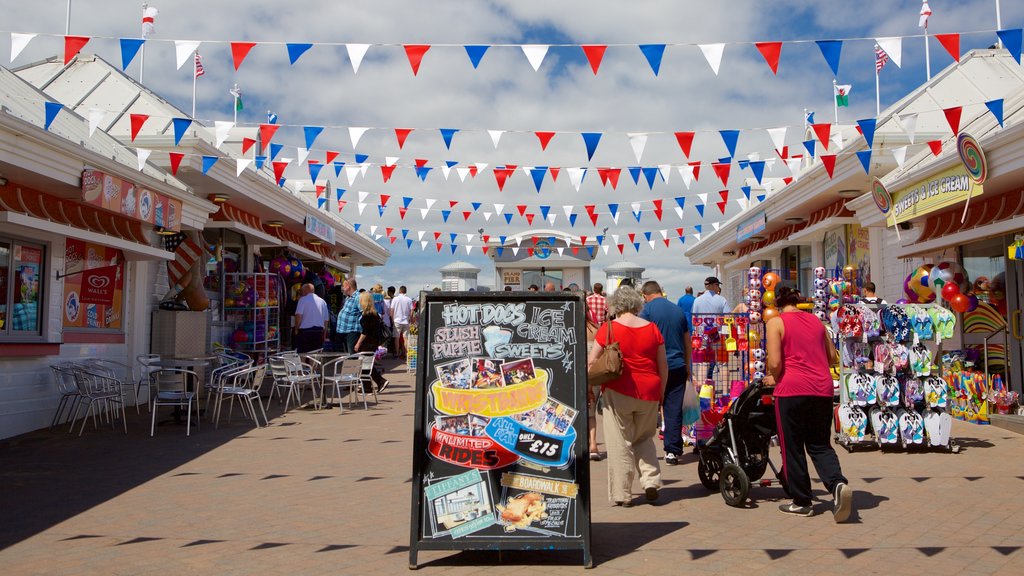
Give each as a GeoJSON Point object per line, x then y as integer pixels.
{"type": "Point", "coordinates": [199, 65]}
{"type": "Point", "coordinates": [880, 59]}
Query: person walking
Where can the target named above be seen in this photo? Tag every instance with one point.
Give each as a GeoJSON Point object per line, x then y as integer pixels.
{"type": "Point", "coordinates": [597, 314]}
{"type": "Point", "coordinates": [799, 358]}
{"type": "Point", "coordinates": [312, 320]}
{"type": "Point", "coordinates": [675, 331]}
{"type": "Point", "coordinates": [869, 297]}
{"type": "Point", "coordinates": [371, 327]}
{"type": "Point", "coordinates": [631, 400]}
{"type": "Point", "coordinates": [686, 304]}
{"type": "Point", "coordinates": [597, 305]}
{"type": "Point", "coordinates": [710, 302]}
{"type": "Point", "coordinates": [348, 319]}
{"type": "Point", "coordinates": [401, 315]}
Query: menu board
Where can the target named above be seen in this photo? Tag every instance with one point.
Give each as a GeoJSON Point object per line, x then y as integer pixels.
{"type": "Point", "coordinates": [499, 459]}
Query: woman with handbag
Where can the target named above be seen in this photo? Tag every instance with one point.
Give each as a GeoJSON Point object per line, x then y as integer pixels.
{"type": "Point", "coordinates": [630, 400]}
{"type": "Point", "coordinates": [369, 338]}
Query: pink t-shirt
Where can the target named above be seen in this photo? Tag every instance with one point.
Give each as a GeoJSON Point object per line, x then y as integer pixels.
{"type": "Point", "coordinates": [805, 366]}
{"type": "Point", "coordinates": [640, 378]}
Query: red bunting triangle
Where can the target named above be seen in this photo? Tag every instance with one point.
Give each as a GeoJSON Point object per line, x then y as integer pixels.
{"type": "Point", "coordinates": [575, 250]}
{"type": "Point", "coordinates": [554, 173]}
{"type": "Point", "coordinates": [787, 180]}
{"type": "Point", "coordinates": [279, 170]}
{"type": "Point", "coordinates": [595, 53]}
{"type": "Point", "coordinates": [320, 189]}
{"type": "Point", "coordinates": [465, 216]}
{"type": "Point", "coordinates": [522, 210]}
{"type": "Point", "coordinates": [437, 235]}
{"type": "Point", "coordinates": [387, 171]}
{"type": "Point", "coordinates": [936, 146]}
{"type": "Point", "coordinates": [529, 251]}
{"type": "Point", "coordinates": [621, 246]}
{"type": "Point", "coordinates": [593, 216]}
{"type": "Point", "coordinates": [267, 132]}
{"type": "Point", "coordinates": [388, 231]}
{"type": "Point", "coordinates": [342, 204]}
{"type": "Point", "coordinates": [175, 161]}
{"type": "Point", "coordinates": [137, 121]}
{"type": "Point", "coordinates": [534, 240]}
{"type": "Point", "coordinates": [529, 217]}
{"type": "Point", "coordinates": [685, 140]}
{"type": "Point", "coordinates": [401, 134]}
{"type": "Point", "coordinates": [420, 162]}
{"type": "Point", "coordinates": [666, 241]}
{"type": "Point", "coordinates": [73, 45]}
{"type": "Point", "coordinates": [415, 54]}
{"type": "Point", "coordinates": [658, 213]}
{"type": "Point", "coordinates": [784, 153]}
{"type": "Point", "coordinates": [329, 157]}
{"type": "Point", "coordinates": [722, 170]}
{"type": "Point", "coordinates": [603, 173]}
{"type": "Point", "coordinates": [632, 237]}
{"type": "Point", "coordinates": [511, 168]}
{"type": "Point", "coordinates": [439, 246]}
{"type": "Point", "coordinates": [724, 195]}
{"type": "Point", "coordinates": [246, 144]}
{"type": "Point", "coordinates": [452, 203]}
{"type": "Point", "coordinates": [401, 212]}
{"type": "Point", "coordinates": [486, 249]}
{"type": "Point", "coordinates": [473, 171]}
{"type": "Point", "coordinates": [239, 50]}
{"type": "Point", "coordinates": [823, 132]}
{"type": "Point", "coordinates": [951, 42]}
{"type": "Point", "coordinates": [384, 200]}
{"type": "Point", "coordinates": [696, 171]}
{"type": "Point", "coordinates": [544, 138]}
{"type": "Point", "coordinates": [500, 175]}
{"type": "Point", "coordinates": [829, 160]}
{"type": "Point", "coordinates": [583, 240]}
{"type": "Point", "coordinates": [771, 52]}
{"type": "Point", "coordinates": [953, 117]}
{"type": "Point", "coordinates": [392, 239]}
{"type": "Point", "coordinates": [721, 206]}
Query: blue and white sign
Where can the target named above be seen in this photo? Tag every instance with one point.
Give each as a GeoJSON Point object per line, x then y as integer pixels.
{"type": "Point", "coordinates": [752, 226]}
{"type": "Point", "coordinates": [320, 229]}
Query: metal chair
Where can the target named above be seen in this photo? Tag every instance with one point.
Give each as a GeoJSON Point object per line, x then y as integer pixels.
{"type": "Point", "coordinates": [228, 364]}
{"type": "Point", "coordinates": [146, 367]}
{"type": "Point", "coordinates": [299, 376]}
{"type": "Point", "coordinates": [127, 378]}
{"type": "Point", "coordinates": [368, 359]}
{"type": "Point", "coordinates": [244, 384]}
{"type": "Point", "coordinates": [172, 389]}
{"type": "Point", "coordinates": [343, 372]}
{"type": "Point", "coordinates": [100, 394]}
{"type": "Point", "coordinates": [64, 376]}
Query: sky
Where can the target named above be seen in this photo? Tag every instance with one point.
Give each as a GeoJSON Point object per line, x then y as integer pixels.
{"type": "Point", "coordinates": [505, 93]}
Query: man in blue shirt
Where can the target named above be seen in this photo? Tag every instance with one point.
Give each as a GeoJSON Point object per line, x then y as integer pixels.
{"type": "Point", "coordinates": [349, 318]}
{"type": "Point", "coordinates": [686, 303]}
{"type": "Point", "coordinates": [675, 330]}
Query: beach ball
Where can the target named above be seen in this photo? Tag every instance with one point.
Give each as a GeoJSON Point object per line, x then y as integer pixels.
{"type": "Point", "coordinates": [820, 284]}
{"type": "Point", "coordinates": [972, 302]}
{"type": "Point", "coordinates": [755, 316]}
{"type": "Point", "coordinates": [837, 288]}
{"type": "Point", "coordinates": [758, 365]}
{"type": "Point", "coordinates": [819, 272]}
{"type": "Point", "coordinates": [821, 315]}
{"type": "Point", "coordinates": [240, 336]}
{"type": "Point", "coordinates": [754, 272]}
{"type": "Point", "coordinates": [770, 312]}
{"type": "Point", "coordinates": [949, 290]}
{"type": "Point", "coordinates": [280, 266]}
{"type": "Point", "coordinates": [949, 271]}
{"type": "Point", "coordinates": [770, 281]}
{"type": "Point", "coordinates": [297, 273]}
{"type": "Point", "coordinates": [918, 284]}
{"type": "Point", "coordinates": [960, 303]}
{"type": "Point", "coordinates": [759, 354]}
{"type": "Point", "coordinates": [769, 298]}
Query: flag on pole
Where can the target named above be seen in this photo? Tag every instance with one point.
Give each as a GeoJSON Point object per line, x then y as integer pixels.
{"type": "Point", "coordinates": [148, 20]}
{"type": "Point", "coordinates": [926, 11]}
{"type": "Point", "coordinates": [808, 118]}
{"type": "Point", "coordinates": [843, 94]}
{"type": "Point", "coordinates": [271, 117]}
{"type": "Point", "coordinates": [880, 58]}
{"type": "Point", "coordinates": [199, 65]}
{"type": "Point", "coordinates": [237, 93]}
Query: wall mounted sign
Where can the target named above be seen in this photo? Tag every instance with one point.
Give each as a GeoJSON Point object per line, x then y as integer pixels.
{"type": "Point", "coordinates": [935, 193]}
{"type": "Point", "coordinates": [320, 229]}
{"type": "Point", "coordinates": [751, 226]}
{"type": "Point", "coordinates": [125, 198]}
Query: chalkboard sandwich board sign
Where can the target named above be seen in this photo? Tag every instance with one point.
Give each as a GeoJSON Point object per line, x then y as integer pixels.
{"type": "Point", "coordinates": [499, 459]}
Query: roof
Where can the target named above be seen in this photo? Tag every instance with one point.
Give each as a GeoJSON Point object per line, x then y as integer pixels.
{"type": "Point", "coordinates": [459, 266]}
{"type": "Point", "coordinates": [622, 267]}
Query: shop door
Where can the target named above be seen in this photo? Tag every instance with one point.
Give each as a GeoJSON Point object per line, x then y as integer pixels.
{"type": "Point", "coordinates": [994, 327]}
{"type": "Point", "coordinates": [1015, 299]}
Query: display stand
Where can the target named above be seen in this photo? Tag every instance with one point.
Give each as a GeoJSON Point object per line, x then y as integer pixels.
{"type": "Point", "coordinates": [252, 307]}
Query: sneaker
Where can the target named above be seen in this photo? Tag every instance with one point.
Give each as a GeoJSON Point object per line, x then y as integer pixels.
{"type": "Point", "coordinates": [651, 494]}
{"type": "Point", "coordinates": [671, 459]}
{"type": "Point", "coordinates": [383, 386]}
{"type": "Point", "coordinates": [595, 456]}
{"type": "Point", "coordinates": [794, 510]}
{"type": "Point", "coordinates": [842, 502]}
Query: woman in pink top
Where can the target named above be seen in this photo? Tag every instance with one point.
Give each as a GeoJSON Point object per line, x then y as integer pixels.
{"type": "Point", "coordinates": [631, 401]}
{"type": "Point", "coordinates": [800, 355]}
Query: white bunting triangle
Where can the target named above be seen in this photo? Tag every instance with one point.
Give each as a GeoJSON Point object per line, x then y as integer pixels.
{"type": "Point", "coordinates": [19, 42]}
{"type": "Point", "coordinates": [703, 198]}
{"type": "Point", "coordinates": [462, 172]}
{"type": "Point", "coordinates": [361, 206]}
{"type": "Point", "coordinates": [909, 125]}
{"type": "Point", "coordinates": [495, 136]}
{"type": "Point", "coordinates": [535, 53]}
{"type": "Point", "coordinates": [95, 117]}
{"type": "Point", "coordinates": [424, 212]}
{"type": "Point", "coordinates": [664, 234]}
{"type": "Point", "coordinates": [900, 154]}
{"type": "Point", "coordinates": [362, 195]}
{"type": "Point", "coordinates": [561, 250]}
{"type": "Point", "coordinates": [143, 154]}
{"type": "Point", "coordinates": [713, 54]}
{"type": "Point", "coordinates": [605, 248]}
{"type": "Point", "coordinates": [568, 211]}
{"type": "Point", "coordinates": [355, 133]}
{"type": "Point", "coordinates": [716, 225]}
{"type": "Point", "coordinates": [576, 177]}
{"type": "Point", "coordinates": [551, 219]}
{"type": "Point", "coordinates": [419, 234]}
{"type": "Point", "coordinates": [687, 173]}
{"type": "Point", "coordinates": [519, 240]}
{"type": "Point", "coordinates": [183, 49]}
{"type": "Point", "coordinates": [378, 236]}
{"type": "Point", "coordinates": [430, 202]}
{"type": "Point", "coordinates": [351, 172]}
{"type": "Point", "coordinates": [469, 237]}
{"type": "Point", "coordinates": [651, 244]}
{"type": "Point", "coordinates": [893, 47]}
{"type": "Point", "coordinates": [487, 216]}
{"type": "Point", "coordinates": [679, 212]}
{"type": "Point", "coordinates": [778, 136]}
{"type": "Point", "coordinates": [241, 164]}
{"type": "Point", "coordinates": [355, 55]}
{"type": "Point", "coordinates": [390, 160]}
{"type": "Point", "coordinates": [373, 229]}
{"type": "Point", "coordinates": [423, 244]}
{"type": "Point", "coordinates": [515, 250]}
{"type": "Point", "coordinates": [469, 248]}
{"type": "Point", "coordinates": [526, 170]}
{"type": "Point", "coordinates": [480, 166]}
{"type": "Point", "coordinates": [221, 131]}
{"type": "Point", "coordinates": [615, 238]}
{"type": "Point", "coordinates": [837, 138]}
{"type": "Point", "coordinates": [666, 171]}
{"type": "Point", "coordinates": [498, 208]}
{"type": "Point", "coordinates": [303, 154]}
{"type": "Point", "coordinates": [638, 141]}
{"type": "Point", "coordinates": [697, 236]}
{"type": "Point", "coordinates": [446, 170]}
{"type": "Point", "coordinates": [794, 167]}
{"type": "Point", "coordinates": [363, 168]}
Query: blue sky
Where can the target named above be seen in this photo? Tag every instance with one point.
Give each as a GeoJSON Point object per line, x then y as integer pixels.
{"type": "Point", "coordinates": [505, 93]}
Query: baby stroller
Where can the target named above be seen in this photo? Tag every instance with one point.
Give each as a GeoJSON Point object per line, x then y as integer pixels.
{"type": "Point", "coordinates": [737, 453]}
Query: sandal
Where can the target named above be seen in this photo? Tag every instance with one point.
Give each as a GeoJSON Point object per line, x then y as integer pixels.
{"type": "Point", "coordinates": [596, 456]}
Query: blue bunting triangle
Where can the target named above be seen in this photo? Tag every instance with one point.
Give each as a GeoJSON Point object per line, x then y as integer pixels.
{"type": "Point", "coordinates": [447, 134]}
{"type": "Point", "coordinates": [311, 132]}
{"type": "Point", "coordinates": [757, 168]}
{"type": "Point", "coordinates": [636, 246]}
{"type": "Point", "coordinates": [208, 162]}
{"type": "Point", "coordinates": [761, 197]}
{"type": "Point", "coordinates": [129, 48]}
{"type": "Point", "coordinates": [476, 206]}
{"type": "Point", "coordinates": [476, 53]}
{"type": "Point", "coordinates": [450, 163]}
{"type": "Point", "coordinates": [867, 127]}
{"type": "Point", "coordinates": [700, 209]}
{"type": "Point", "coordinates": [260, 161]}
{"type": "Point", "coordinates": [275, 149]}
{"type": "Point", "coordinates": [538, 173]}
{"type": "Point", "coordinates": [637, 214]}
{"type": "Point", "coordinates": [681, 200]}
{"type": "Point", "coordinates": [296, 50]}
{"type": "Point", "coordinates": [699, 228]}
{"type": "Point", "coordinates": [454, 248]}
{"type": "Point", "coordinates": [408, 243]}
{"type": "Point", "coordinates": [831, 50]}
{"type": "Point", "coordinates": [600, 240]}
{"type": "Point", "coordinates": [590, 249]}
{"type": "Point", "coordinates": [653, 53]}
{"type": "Point", "coordinates": [501, 240]}
{"type": "Point", "coordinates": [314, 171]}
{"type": "Point", "coordinates": [865, 160]}
{"type": "Point", "coordinates": [544, 211]}
{"type": "Point", "coordinates": [743, 164]}
{"type": "Point", "coordinates": [1011, 40]}
{"type": "Point", "coordinates": [746, 190]}
{"type": "Point", "coordinates": [591, 140]}
{"type": "Point", "coordinates": [648, 236]}
{"type": "Point", "coordinates": [809, 146]}
{"type": "Point", "coordinates": [445, 214]}
{"type": "Point", "coordinates": [406, 200]}
{"type": "Point", "coordinates": [339, 192]}
{"type": "Point", "coordinates": [360, 158]}
{"type": "Point", "coordinates": [380, 209]}
{"type": "Point", "coordinates": [422, 171]}
{"type": "Point", "coordinates": [280, 183]}
{"type": "Point", "coordinates": [508, 218]}
{"type": "Point", "coordinates": [356, 226]}
{"type": "Point", "coordinates": [682, 239]}
{"type": "Point", "coordinates": [321, 202]}
{"type": "Point", "coordinates": [730, 137]}
{"type": "Point", "coordinates": [51, 109]}
{"type": "Point", "coordinates": [614, 209]}
{"type": "Point", "coordinates": [337, 168]}
{"type": "Point", "coordinates": [500, 249]}
{"type": "Point", "coordinates": [996, 108]}
{"type": "Point", "coordinates": [405, 233]}
{"type": "Point", "coordinates": [572, 219]}
{"type": "Point", "coordinates": [650, 174]}
{"type": "Point", "coordinates": [453, 236]}
{"type": "Point", "coordinates": [180, 127]}
{"type": "Point", "coordinates": [634, 171]}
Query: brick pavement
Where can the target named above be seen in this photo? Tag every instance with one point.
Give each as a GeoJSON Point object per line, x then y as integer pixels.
{"type": "Point", "coordinates": [321, 492]}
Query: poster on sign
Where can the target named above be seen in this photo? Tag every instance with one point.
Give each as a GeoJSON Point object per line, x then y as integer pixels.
{"type": "Point", "coordinates": [501, 424]}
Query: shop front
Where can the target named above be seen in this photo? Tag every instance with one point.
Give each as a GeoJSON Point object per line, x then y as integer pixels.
{"type": "Point", "coordinates": [535, 258]}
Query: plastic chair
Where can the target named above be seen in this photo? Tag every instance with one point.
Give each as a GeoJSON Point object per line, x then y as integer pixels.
{"type": "Point", "coordinates": [244, 384]}
{"type": "Point", "coordinates": [100, 394]}
{"type": "Point", "coordinates": [64, 376]}
{"type": "Point", "coordinates": [343, 372]}
{"type": "Point", "coordinates": [171, 385]}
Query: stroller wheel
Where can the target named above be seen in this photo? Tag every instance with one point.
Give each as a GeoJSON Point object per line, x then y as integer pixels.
{"type": "Point", "coordinates": [734, 485]}
{"type": "Point", "coordinates": [709, 469]}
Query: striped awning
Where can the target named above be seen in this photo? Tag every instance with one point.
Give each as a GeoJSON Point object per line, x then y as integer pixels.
{"type": "Point", "coordinates": [982, 211]}
{"type": "Point", "coordinates": [23, 200]}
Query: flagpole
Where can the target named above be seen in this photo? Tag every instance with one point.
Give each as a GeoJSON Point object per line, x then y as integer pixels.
{"type": "Point", "coordinates": [142, 50]}
{"type": "Point", "coordinates": [67, 20]}
{"type": "Point", "coordinates": [878, 92]}
{"type": "Point", "coordinates": [234, 94]}
{"type": "Point", "coordinates": [927, 53]}
{"type": "Point", "coordinates": [999, 23]}
{"type": "Point", "coordinates": [835, 101]}
{"type": "Point", "coordinates": [195, 69]}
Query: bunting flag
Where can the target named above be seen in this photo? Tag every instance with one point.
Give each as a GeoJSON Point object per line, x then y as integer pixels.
{"type": "Point", "coordinates": [311, 133]}
{"type": "Point", "coordinates": [685, 140]}
{"type": "Point", "coordinates": [401, 134]}
{"type": "Point", "coordinates": [239, 50]}
{"type": "Point", "coordinates": [356, 52]}
{"type": "Point", "coordinates": [829, 160]}
{"type": "Point", "coordinates": [1012, 40]}
{"type": "Point", "coordinates": [18, 43]}
{"type": "Point", "coordinates": [296, 50]}
{"type": "Point", "coordinates": [535, 54]}
{"type": "Point", "coordinates": [822, 131]}
{"type": "Point", "coordinates": [953, 118]}
{"type": "Point", "coordinates": [730, 137]}
{"type": "Point", "coordinates": [209, 161]}
{"type": "Point", "coordinates": [267, 132]}
{"type": "Point", "coordinates": [831, 50]}
{"type": "Point", "coordinates": [183, 50]}
{"type": "Point", "coordinates": [447, 134]}
{"type": "Point", "coordinates": [476, 53]}
{"type": "Point", "coordinates": [181, 126]}
{"type": "Point", "coordinates": [591, 140]}
{"type": "Point", "coordinates": [72, 46]}
{"type": "Point", "coordinates": [51, 109]}
{"type": "Point", "coordinates": [129, 48]}
{"type": "Point", "coordinates": [545, 138]}
{"type": "Point", "coordinates": [137, 120]}
{"type": "Point", "coordinates": [865, 160]}
{"type": "Point", "coordinates": [867, 129]}
{"type": "Point", "coordinates": [996, 108]}
{"type": "Point", "coordinates": [415, 52]}
{"type": "Point", "coordinates": [713, 54]}
{"type": "Point", "coordinates": [654, 53]}
{"type": "Point", "coordinates": [594, 54]}
{"type": "Point", "coordinates": [771, 51]}
{"type": "Point", "coordinates": [935, 146]}
{"type": "Point", "coordinates": [951, 42]}
{"type": "Point", "coordinates": [893, 48]}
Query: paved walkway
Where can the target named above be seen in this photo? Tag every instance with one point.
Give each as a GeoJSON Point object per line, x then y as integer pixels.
{"type": "Point", "coordinates": [319, 492]}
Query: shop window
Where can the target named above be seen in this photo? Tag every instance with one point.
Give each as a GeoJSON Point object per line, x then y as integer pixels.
{"type": "Point", "coordinates": [93, 287]}
{"type": "Point", "coordinates": [22, 290]}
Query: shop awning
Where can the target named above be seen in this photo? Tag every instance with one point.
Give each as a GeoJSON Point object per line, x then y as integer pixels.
{"type": "Point", "coordinates": [991, 216]}
{"type": "Point", "coordinates": [36, 210]}
{"type": "Point", "coordinates": [245, 223]}
{"type": "Point", "coordinates": [823, 215]}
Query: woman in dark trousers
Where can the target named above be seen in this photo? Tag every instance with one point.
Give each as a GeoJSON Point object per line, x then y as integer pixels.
{"type": "Point", "coordinates": [800, 355]}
